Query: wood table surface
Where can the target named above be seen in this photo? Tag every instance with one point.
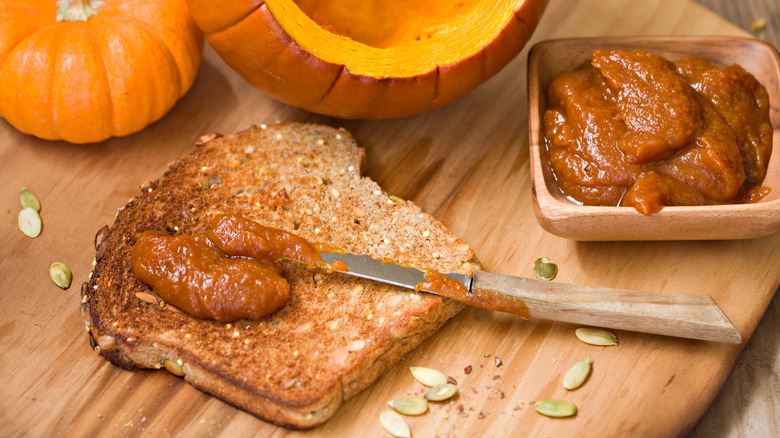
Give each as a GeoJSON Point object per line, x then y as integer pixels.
{"type": "Point", "coordinates": [466, 164]}
{"type": "Point", "coordinates": [749, 405]}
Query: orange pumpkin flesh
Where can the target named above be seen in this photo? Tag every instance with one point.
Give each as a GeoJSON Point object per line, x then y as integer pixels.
{"type": "Point", "coordinates": [120, 67]}
{"type": "Point", "coordinates": [369, 59]}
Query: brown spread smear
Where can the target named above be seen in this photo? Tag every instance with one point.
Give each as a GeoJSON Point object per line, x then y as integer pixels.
{"type": "Point", "coordinates": [225, 274]}
{"type": "Point", "coordinates": [634, 129]}
{"type": "Point", "coordinates": [440, 284]}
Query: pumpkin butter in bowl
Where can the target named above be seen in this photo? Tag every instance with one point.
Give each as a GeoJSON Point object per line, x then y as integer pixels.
{"type": "Point", "coordinates": [655, 138]}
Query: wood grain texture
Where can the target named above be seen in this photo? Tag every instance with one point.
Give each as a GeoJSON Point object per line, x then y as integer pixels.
{"type": "Point", "coordinates": [467, 164]}
{"type": "Point", "coordinates": [748, 404]}
{"type": "Point", "coordinates": [747, 14]}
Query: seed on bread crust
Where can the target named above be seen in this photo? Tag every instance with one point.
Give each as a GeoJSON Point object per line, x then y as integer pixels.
{"type": "Point", "coordinates": [100, 235]}
{"type": "Point", "coordinates": [145, 297]}
{"type": "Point", "coordinates": [84, 308]}
{"type": "Point", "coordinates": [174, 368]}
{"type": "Point", "coordinates": [339, 356]}
{"type": "Point", "coordinates": [303, 327]}
{"type": "Point", "coordinates": [207, 138]}
{"type": "Point", "coordinates": [356, 345]}
{"type": "Point", "coordinates": [106, 342]}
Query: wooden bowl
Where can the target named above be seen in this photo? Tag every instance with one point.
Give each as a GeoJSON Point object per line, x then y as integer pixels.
{"type": "Point", "coordinates": [564, 218]}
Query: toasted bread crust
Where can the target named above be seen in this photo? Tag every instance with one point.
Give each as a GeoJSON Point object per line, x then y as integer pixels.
{"type": "Point", "coordinates": [336, 334]}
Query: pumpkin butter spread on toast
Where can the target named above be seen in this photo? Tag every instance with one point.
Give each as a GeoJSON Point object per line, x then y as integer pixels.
{"type": "Point", "coordinates": [334, 335]}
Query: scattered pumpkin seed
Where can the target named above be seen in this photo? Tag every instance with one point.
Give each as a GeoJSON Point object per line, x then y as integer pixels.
{"type": "Point", "coordinates": [395, 424]}
{"type": "Point", "coordinates": [555, 408]}
{"type": "Point", "coordinates": [28, 199]}
{"type": "Point", "coordinates": [428, 376]}
{"type": "Point", "coordinates": [409, 405]}
{"type": "Point", "coordinates": [575, 377]}
{"type": "Point", "coordinates": [544, 269]}
{"type": "Point", "coordinates": [30, 222]}
{"type": "Point", "coordinates": [60, 274]}
{"type": "Point", "coordinates": [441, 392]}
{"type": "Point", "coordinates": [596, 336]}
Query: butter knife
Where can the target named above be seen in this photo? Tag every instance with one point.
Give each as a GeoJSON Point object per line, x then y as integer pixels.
{"type": "Point", "coordinates": [684, 316]}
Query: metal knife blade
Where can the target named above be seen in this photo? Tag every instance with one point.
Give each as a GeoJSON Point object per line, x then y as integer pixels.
{"type": "Point", "coordinates": [684, 316]}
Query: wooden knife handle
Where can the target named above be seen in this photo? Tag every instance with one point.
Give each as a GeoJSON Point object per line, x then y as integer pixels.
{"type": "Point", "coordinates": [685, 316]}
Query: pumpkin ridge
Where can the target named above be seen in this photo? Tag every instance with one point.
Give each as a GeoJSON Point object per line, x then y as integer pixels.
{"type": "Point", "coordinates": [342, 70]}
{"type": "Point", "coordinates": [5, 63]}
{"type": "Point", "coordinates": [435, 88]}
{"type": "Point", "coordinates": [293, 45]}
{"type": "Point", "coordinates": [92, 39]}
{"type": "Point", "coordinates": [88, 108]}
{"type": "Point", "coordinates": [484, 70]}
{"type": "Point", "coordinates": [523, 23]}
{"type": "Point", "coordinates": [239, 20]}
{"type": "Point", "coordinates": [162, 42]}
{"type": "Point", "coordinates": [540, 7]}
{"type": "Point", "coordinates": [10, 13]}
{"type": "Point", "coordinates": [279, 30]}
{"type": "Point", "coordinates": [155, 106]}
{"type": "Point", "coordinates": [51, 73]}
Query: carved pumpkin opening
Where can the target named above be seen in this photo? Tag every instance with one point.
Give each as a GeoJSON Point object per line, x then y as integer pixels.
{"type": "Point", "coordinates": [402, 38]}
{"type": "Point", "coordinates": [368, 59]}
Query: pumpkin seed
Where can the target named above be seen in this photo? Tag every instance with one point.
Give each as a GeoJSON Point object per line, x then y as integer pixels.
{"type": "Point", "coordinates": [173, 367]}
{"type": "Point", "coordinates": [575, 377]}
{"type": "Point", "coordinates": [395, 424]}
{"type": "Point", "coordinates": [60, 274]}
{"type": "Point", "coordinates": [106, 342]}
{"type": "Point", "coordinates": [544, 269]}
{"type": "Point", "coordinates": [409, 405]}
{"type": "Point", "coordinates": [596, 336]}
{"type": "Point", "coordinates": [100, 235]}
{"type": "Point", "coordinates": [555, 408]}
{"type": "Point", "coordinates": [30, 222]}
{"type": "Point", "coordinates": [428, 376]}
{"type": "Point", "coordinates": [28, 199]}
{"type": "Point", "coordinates": [441, 392]}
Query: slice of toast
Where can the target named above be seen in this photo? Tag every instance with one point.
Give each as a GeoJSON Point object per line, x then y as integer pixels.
{"type": "Point", "coordinates": [335, 335]}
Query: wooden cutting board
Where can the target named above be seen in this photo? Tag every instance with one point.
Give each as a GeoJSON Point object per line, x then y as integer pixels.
{"type": "Point", "coordinates": [466, 164]}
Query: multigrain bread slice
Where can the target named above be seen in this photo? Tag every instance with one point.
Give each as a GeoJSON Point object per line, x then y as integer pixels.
{"type": "Point", "coordinates": [336, 334]}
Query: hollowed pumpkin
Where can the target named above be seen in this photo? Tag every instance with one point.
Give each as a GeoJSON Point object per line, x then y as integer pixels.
{"type": "Point", "coordinates": [370, 59]}
{"type": "Point", "coordinates": [86, 70]}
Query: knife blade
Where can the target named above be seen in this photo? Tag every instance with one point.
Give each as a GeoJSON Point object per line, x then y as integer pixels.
{"type": "Point", "coordinates": [684, 316]}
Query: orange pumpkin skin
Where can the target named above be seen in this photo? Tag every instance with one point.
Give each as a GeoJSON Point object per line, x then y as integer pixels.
{"type": "Point", "coordinates": [251, 40]}
{"type": "Point", "coordinates": [85, 81]}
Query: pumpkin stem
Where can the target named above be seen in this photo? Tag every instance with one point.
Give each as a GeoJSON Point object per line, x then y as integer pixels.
{"type": "Point", "coordinates": [77, 10]}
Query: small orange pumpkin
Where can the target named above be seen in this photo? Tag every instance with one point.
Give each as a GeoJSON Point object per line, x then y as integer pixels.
{"type": "Point", "coordinates": [86, 70]}
{"type": "Point", "coordinates": [369, 59]}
